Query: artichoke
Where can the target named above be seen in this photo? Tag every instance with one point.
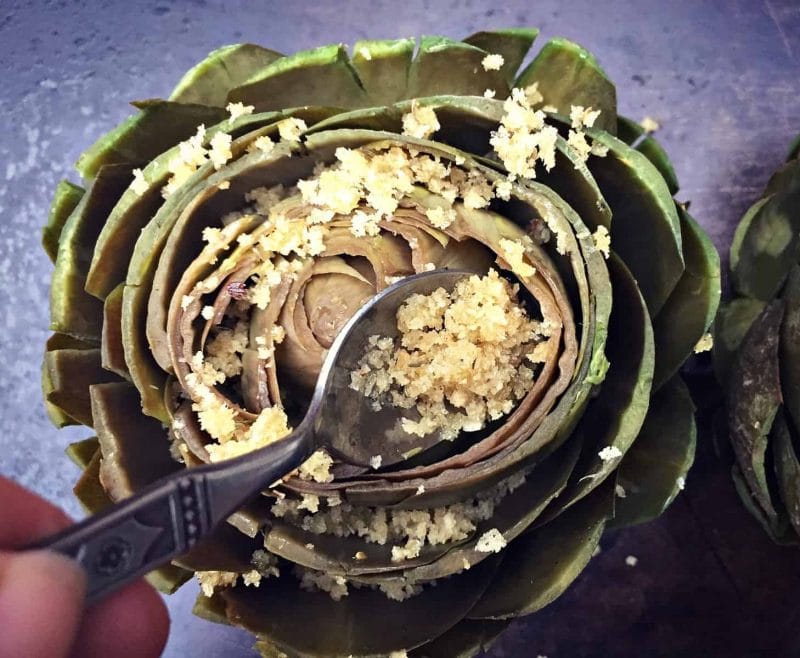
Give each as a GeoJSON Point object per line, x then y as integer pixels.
{"type": "Point", "coordinates": [226, 234]}
{"type": "Point", "coordinates": [757, 354]}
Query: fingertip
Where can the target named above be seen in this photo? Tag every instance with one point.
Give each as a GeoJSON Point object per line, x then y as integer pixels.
{"type": "Point", "coordinates": [41, 602]}
{"type": "Point", "coordinates": [132, 623]}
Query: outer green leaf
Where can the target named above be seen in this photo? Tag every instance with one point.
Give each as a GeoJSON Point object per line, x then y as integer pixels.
{"type": "Point", "coordinates": [794, 149]}
{"type": "Point", "coordinates": [766, 245]}
{"type": "Point", "coordinates": [140, 138]}
{"type": "Point", "coordinates": [542, 563]}
{"type": "Point", "coordinates": [465, 640]}
{"type": "Point", "coordinates": [754, 396]}
{"type": "Point", "coordinates": [111, 349]}
{"type": "Point", "coordinates": [634, 135]}
{"type": "Point", "coordinates": [348, 626]}
{"type": "Point", "coordinates": [778, 528]}
{"type": "Point", "coordinates": [654, 470]}
{"type": "Point", "coordinates": [513, 44]}
{"type": "Point", "coordinates": [730, 326]}
{"type": "Point", "coordinates": [785, 179]}
{"type": "Point", "coordinates": [615, 414]}
{"type": "Point", "coordinates": [65, 199]}
{"type": "Point", "coordinates": [692, 306]}
{"type": "Point", "coordinates": [209, 81]}
{"type": "Point", "coordinates": [789, 354]}
{"type": "Point", "coordinates": [81, 452]}
{"type": "Point", "coordinates": [645, 230]}
{"type": "Point", "coordinates": [135, 447]}
{"type": "Point", "coordinates": [322, 76]}
{"type": "Point", "coordinates": [71, 372]}
{"type": "Point", "coordinates": [383, 67]}
{"type": "Point", "coordinates": [567, 75]}
{"type": "Point", "coordinates": [72, 310]}
{"type": "Point", "coordinates": [444, 66]}
{"type": "Point", "coordinates": [787, 469]}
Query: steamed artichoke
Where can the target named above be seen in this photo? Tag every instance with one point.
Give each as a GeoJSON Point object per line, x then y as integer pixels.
{"type": "Point", "coordinates": [202, 274]}
{"type": "Point", "coordinates": [757, 354]}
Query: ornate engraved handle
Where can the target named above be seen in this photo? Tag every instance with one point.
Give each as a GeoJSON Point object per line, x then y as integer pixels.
{"type": "Point", "coordinates": [138, 534]}
{"type": "Point", "coordinates": [170, 516]}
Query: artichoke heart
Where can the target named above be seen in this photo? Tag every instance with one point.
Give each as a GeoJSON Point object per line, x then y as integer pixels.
{"type": "Point", "coordinates": [223, 237]}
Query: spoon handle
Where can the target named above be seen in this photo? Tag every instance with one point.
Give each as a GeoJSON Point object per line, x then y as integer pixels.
{"type": "Point", "coordinates": [170, 516]}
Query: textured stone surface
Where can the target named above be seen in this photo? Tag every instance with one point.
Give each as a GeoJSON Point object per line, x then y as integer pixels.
{"type": "Point", "coordinates": [721, 76]}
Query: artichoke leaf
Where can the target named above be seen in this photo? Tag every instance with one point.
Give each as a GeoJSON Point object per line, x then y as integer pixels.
{"type": "Point", "coordinates": [88, 490]}
{"type": "Point", "coordinates": [382, 68]}
{"type": "Point", "coordinates": [787, 469]}
{"type": "Point", "coordinates": [543, 562]}
{"type": "Point", "coordinates": [765, 245]}
{"type": "Point", "coordinates": [512, 44]}
{"type": "Point", "coordinates": [789, 348]}
{"type": "Point", "coordinates": [569, 75]}
{"type": "Point", "coordinates": [209, 81]}
{"type": "Point", "coordinates": [691, 307]}
{"type": "Point", "coordinates": [787, 178]}
{"type": "Point", "coordinates": [71, 372]}
{"type": "Point", "coordinates": [65, 198]}
{"type": "Point", "coordinates": [135, 448]}
{"type": "Point", "coordinates": [730, 327]}
{"type": "Point", "coordinates": [635, 136]}
{"type": "Point", "coordinates": [72, 310]}
{"type": "Point", "coordinates": [654, 470]}
{"type": "Point", "coordinates": [355, 625]}
{"type": "Point", "coordinates": [778, 527]}
{"type": "Point", "coordinates": [111, 349]}
{"type": "Point", "coordinates": [140, 138]}
{"type": "Point", "coordinates": [444, 66]}
{"type": "Point", "coordinates": [321, 76]}
{"type": "Point", "coordinates": [466, 639]}
{"type": "Point", "coordinates": [753, 399]}
{"type": "Point", "coordinates": [621, 404]}
{"type": "Point", "coordinates": [645, 230]}
{"type": "Point", "coordinates": [81, 452]}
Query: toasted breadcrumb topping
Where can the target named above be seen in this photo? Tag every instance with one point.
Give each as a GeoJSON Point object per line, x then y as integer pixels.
{"type": "Point", "coordinates": [139, 184]}
{"type": "Point", "coordinates": [237, 110]}
{"type": "Point", "coordinates": [523, 137]}
{"type": "Point", "coordinates": [649, 125]}
{"type": "Point", "coordinates": [420, 122]}
{"type": "Point", "coordinates": [705, 343]}
{"type": "Point", "coordinates": [290, 129]}
{"type": "Point", "coordinates": [459, 359]}
{"type": "Point", "coordinates": [491, 541]}
{"type": "Point", "coordinates": [492, 62]}
{"type": "Point", "coordinates": [602, 240]}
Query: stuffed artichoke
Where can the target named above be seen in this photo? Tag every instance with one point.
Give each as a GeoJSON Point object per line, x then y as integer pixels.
{"type": "Point", "coordinates": [225, 235]}
{"type": "Point", "coordinates": [757, 354]}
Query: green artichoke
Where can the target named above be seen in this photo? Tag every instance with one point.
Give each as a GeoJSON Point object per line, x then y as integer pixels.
{"type": "Point", "coordinates": [204, 271]}
{"type": "Point", "coordinates": [757, 354]}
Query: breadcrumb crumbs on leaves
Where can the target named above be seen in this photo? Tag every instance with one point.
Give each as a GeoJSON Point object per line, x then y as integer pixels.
{"type": "Point", "coordinates": [609, 453]}
{"type": "Point", "coordinates": [290, 129]}
{"type": "Point", "coordinates": [237, 110]}
{"type": "Point", "coordinates": [365, 53]}
{"type": "Point", "coordinates": [317, 467]}
{"type": "Point", "coordinates": [631, 560]}
{"type": "Point", "coordinates": [491, 541]}
{"type": "Point", "coordinates": [492, 62]}
{"type": "Point", "coordinates": [681, 482]}
{"type": "Point", "coordinates": [489, 93]}
{"type": "Point", "coordinates": [420, 122]}
{"type": "Point", "coordinates": [705, 343]}
{"type": "Point", "coordinates": [139, 184]}
{"type": "Point", "coordinates": [649, 125]}
{"type": "Point", "coordinates": [602, 240]}
{"type": "Point", "coordinates": [220, 151]}
{"type": "Point", "coordinates": [619, 491]}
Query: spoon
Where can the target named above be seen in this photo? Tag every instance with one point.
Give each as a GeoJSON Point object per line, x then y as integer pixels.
{"type": "Point", "coordinates": [172, 515]}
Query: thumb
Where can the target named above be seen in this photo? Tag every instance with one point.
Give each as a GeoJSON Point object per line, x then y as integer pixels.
{"type": "Point", "coordinates": [41, 604]}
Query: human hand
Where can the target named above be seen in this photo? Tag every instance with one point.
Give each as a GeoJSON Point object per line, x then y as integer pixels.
{"type": "Point", "coordinates": [42, 612]}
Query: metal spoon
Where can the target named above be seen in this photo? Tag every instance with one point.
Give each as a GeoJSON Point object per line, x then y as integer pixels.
{"type": "Point", "coordinates": [170, 516]}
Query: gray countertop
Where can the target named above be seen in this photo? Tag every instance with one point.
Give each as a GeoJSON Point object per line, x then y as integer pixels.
{"type": "Point", "coordinates": [722, 78]}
